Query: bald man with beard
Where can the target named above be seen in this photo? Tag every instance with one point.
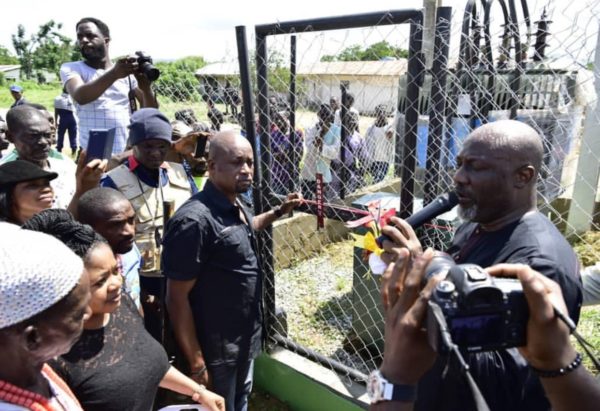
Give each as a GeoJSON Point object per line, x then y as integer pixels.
{"type": "Point", "coordinates": [214, 280]}
{"type": "Point", "coordinates": [498, 168]}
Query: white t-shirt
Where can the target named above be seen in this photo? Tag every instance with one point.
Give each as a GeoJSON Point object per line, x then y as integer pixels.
{"type": "Point", "coordinates": [318, 162]}
{"type": "Point", "coordinates": [379, 147]}
{"type": "Point", "coordinates": [338, 115]}
{"type": "Point", "coordinates": [110, 110]}
{"type": "Point", "coordinates": [63, 102]}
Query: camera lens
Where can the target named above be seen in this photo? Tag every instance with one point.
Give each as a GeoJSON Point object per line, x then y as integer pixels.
{"type": "Point", "coordinates": [146, 66]}
{"type": "Point", "coordinates": [440, 263]}
{"type": "Point", "coordinates": [150, 71]}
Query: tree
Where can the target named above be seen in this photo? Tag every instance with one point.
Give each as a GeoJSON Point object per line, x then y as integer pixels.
{"type": "Point", "coordinates": [352, 53]}
{"type": "Point", "coordinates": [278, 75]}
{"type": "Point", "coordinates": [190, 63]}
{"type": "Point", "coordinates": [45, 50]}
{"type": "Point", "coordinates": [53, 48]}
{"type": "Point", "coordinates": [6, 56]}
{"type": "Point", "coordinates": [24, 49]}
{"type": "Point", "coordinates": [374, 52]}
{"type": "Point", "coordinates": [177, 80]}
{"type": "Point", "coordinates": [382, 49]}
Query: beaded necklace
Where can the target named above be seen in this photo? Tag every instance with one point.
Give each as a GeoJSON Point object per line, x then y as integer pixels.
{"type": "Point", "coordinates": [33, 401]}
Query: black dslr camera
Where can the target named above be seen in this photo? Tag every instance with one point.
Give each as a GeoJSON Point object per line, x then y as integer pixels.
{"type": "Point", "coordinates": [482, 313]}
{"type": "Point", "coordinates": [146, 66]}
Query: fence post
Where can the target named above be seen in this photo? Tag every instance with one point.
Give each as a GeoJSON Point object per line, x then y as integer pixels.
{"type": "Point", "coordinates": [248, 109]}
{"type": "Point", "coordinates": [264, 127]}
{"type": "Point", "coordinates": [581, 209]}
{"type": "Point", "coordinates": [515, 81]}
{"type": "Point", "coordinates": [414, 81]}
{"type": "Point", "coordinates": [343, 138]}
{"type": "Point", "coordinates": [264, 120]}
{"type": "Point", "coordinates": [437, 107]}
{"type": "Point", "coordinates": [293, 136]}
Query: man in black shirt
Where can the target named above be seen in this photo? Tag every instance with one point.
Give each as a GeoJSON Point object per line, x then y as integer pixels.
{"type": "Point", "coordinates": [495, 182]}
{"type": "Point", "coordinates": [214, 280]}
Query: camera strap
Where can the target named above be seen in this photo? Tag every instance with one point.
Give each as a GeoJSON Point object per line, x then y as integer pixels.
{"type": "Point", "coordinates": [480, 403]}
{"type": "Point", "coordinates": [131, 97]}
{"type": "Point", "coordinates": [587, 347]}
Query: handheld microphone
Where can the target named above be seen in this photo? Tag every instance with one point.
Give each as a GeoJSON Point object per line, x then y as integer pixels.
{"type": "Point", "coordinates": [440, 205]}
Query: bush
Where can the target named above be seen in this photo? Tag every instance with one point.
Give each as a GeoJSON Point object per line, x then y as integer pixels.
{"type": "Point", "coordinates": [178, 85]}
{"type": "Point", "coordinates": [177, 80]}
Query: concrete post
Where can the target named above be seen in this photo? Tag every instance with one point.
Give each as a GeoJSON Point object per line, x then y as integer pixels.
{"type": "Point", "coordinates": [582, 204]}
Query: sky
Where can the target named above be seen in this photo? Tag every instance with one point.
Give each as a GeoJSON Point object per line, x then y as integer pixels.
{"type": "Point", "coordinates": [178, 28]}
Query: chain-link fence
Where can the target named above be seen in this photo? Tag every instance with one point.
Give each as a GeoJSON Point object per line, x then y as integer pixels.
{"type": "Point", "coordinates": [331, 135]}
{"type": "Point", "coordinates": [384, 98]}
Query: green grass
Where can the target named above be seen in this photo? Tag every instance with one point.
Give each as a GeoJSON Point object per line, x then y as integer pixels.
{"type": "Point", "coordinates": [589, 328]}
{"type": "Point", "coordinates": [587, 248]}
{"type": "Point", "coordinates": [45, 93]}
{"type": "Point", "coordinates": [33, 92]}
{"type": "Point", "coordinates": [317, 293]}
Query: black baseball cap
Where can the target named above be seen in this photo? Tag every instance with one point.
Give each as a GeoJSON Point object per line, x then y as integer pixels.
{"type": "Point", "coordinates": [18, 171]}
{"type": "Point", "coordinates": [149, 124]}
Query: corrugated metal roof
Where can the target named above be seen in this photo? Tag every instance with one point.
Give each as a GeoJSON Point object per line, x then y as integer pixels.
{"type": "Point", "coordinates": [355, 68]}
{"type": "Point", "coordinates": [9, 67]}
{"type": "Point", "coordinates": [349, 68]}
{"type": "Point", "coordinates": [223, 68]}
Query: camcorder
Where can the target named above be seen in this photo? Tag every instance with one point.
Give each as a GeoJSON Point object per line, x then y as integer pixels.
{"type": "Point", "coordinates": [146, 67]}
{"type": "Point", "coordinates": [482, 313]}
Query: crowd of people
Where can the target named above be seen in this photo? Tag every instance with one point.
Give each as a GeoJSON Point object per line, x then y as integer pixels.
{"type": "Point", "coordinates": [366, 158]}
{"type": "Point", "coordinates": [109, 267]}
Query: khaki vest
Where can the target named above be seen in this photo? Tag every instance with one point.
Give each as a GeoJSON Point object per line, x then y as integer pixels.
{"type": "Point", "coordinates": [148, 208]}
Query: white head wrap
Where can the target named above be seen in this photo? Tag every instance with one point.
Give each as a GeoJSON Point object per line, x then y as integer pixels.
{"type": "Point", "coordinates": [36, 272]}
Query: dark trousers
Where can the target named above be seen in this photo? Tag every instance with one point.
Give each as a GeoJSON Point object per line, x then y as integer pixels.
{"type": "Point", "coordinates": [66, 122]}
{"type": "Point", "coordinates": [154, 313]}
{"type": "Point", "coordinates": [234, 383]}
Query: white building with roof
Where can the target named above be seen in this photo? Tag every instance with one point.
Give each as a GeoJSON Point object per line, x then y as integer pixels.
{"type": "Point", "coordinates": [11, 72]}
{"type": "Point", "coordinates": [371, 82]}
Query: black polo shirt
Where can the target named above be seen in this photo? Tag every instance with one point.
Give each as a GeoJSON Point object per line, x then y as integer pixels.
{"type": "Point", "coordinates": [207, 240]}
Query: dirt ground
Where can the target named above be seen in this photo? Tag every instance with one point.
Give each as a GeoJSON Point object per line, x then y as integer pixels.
{"type": "Point", "coordinates": [262, 401]}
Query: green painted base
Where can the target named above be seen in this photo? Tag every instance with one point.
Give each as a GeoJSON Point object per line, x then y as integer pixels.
{"type": "Point", "coordinates": [298, 391]}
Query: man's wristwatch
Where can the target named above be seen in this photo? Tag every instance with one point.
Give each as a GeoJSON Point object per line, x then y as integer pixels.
{"type": "Point", "coordinates": [380, 389]}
